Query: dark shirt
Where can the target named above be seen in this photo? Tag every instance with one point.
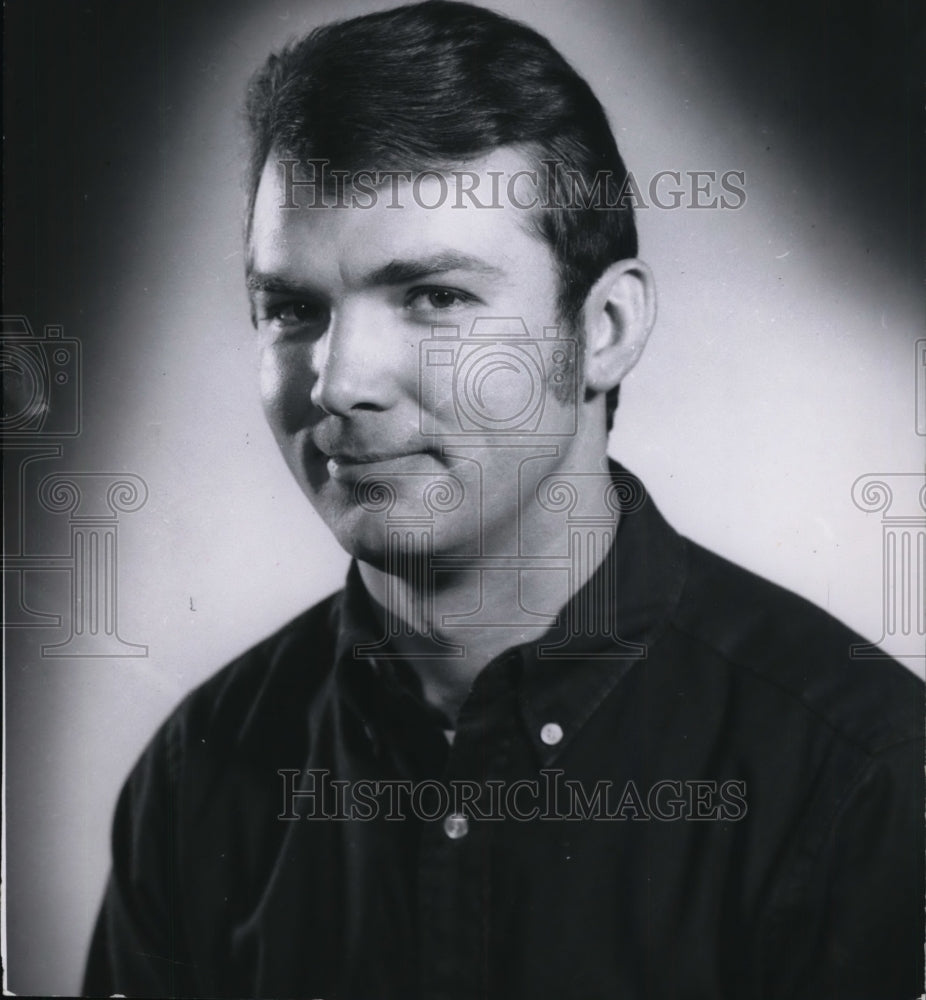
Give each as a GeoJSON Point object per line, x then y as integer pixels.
{"type": "Point", "coordinates": [716, 801]}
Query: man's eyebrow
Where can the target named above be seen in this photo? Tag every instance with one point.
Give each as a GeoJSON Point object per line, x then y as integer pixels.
{"type": "Point", "coordinates": [257, 281]}
{"type": "Point", "coordinates": [395, 272]}
{"type": "Point", "coordinates": [400, 272]}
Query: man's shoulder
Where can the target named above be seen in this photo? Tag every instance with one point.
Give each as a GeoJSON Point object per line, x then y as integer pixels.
{"type": "Point", "coordinates": [797, 654]}
{"type": "Point", "coordinates": [267, 689]}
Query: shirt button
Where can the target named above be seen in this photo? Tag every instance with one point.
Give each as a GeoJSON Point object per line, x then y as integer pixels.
{"type": "Point", "coordinates": [456, 825]}
{"type": "Point", "coordinates": [551, 734]}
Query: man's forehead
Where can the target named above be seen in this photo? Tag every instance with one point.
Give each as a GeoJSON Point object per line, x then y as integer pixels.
{"type": "Point", "coordinates": [480, 206]}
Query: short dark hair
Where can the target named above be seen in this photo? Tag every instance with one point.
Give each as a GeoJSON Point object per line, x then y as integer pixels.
{"type": "Point", "coordinates": [435, 83]}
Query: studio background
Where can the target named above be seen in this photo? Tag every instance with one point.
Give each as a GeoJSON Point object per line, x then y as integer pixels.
{"type": "Point", "coordinates": [783, 365]}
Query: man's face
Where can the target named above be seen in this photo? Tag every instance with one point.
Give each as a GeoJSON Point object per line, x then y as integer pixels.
{"type": "Point", "coordinates": [346, 300]}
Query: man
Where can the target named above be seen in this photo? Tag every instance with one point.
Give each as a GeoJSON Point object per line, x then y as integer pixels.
{"type": "Point", "coordinates": [540, 745]}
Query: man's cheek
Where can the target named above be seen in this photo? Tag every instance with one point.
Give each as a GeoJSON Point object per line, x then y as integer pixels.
{"type": "Point", "coordinates": [285, 392]}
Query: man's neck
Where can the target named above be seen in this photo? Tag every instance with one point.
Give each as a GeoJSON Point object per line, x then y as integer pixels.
{"type": "Point", "coordinates": [471, 615]}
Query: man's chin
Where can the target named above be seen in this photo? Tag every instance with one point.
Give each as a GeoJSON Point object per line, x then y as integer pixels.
{"type": "Point", "coordinates": [393, 522]}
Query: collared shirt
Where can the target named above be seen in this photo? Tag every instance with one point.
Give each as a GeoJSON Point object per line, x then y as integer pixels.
{"type": "Point", "coordinates": [685, 789]}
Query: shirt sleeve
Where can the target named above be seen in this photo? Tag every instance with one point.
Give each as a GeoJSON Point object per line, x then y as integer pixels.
{"type": "Point", "coordinates": [137, 948]}
{"type": "Point", "coordinates": [850, 924]}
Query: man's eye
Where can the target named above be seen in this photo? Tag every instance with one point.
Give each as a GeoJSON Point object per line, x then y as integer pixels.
{"type": "Point", "coordinates": [298, 314]}
{"type": "Point", "coordinates": [436, 299]}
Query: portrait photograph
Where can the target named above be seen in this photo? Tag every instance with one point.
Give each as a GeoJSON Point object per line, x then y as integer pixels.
{"type": "Point", "coordinates": [464, 499]}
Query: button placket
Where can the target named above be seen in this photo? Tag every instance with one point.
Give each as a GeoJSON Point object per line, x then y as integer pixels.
{"type": "Point", "coordinates": [453, 860]}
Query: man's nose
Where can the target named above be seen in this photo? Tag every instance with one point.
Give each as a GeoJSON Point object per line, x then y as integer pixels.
{"type": "Point", "coordinates": [355, 366]}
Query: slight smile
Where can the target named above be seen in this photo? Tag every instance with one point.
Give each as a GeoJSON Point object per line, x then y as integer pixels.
{"type": "Point", "coordinates": [350, 468]}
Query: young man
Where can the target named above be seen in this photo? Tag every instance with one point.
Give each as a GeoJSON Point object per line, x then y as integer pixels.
{"type": "Point", "coordinates": [540, 745]}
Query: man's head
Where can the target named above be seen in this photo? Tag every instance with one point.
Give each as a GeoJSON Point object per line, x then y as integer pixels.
{"type": "Point", "coordinates": [346, 292]}
{"type": "Point", "coordinates": [437, 84]}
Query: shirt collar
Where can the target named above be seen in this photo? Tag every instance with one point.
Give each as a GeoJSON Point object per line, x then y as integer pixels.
{"type": "Point", "coordinates": [606, 628]}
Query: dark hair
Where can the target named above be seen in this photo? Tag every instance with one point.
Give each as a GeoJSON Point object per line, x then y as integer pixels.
{"type": "Point", "coordinates": [435, 83]}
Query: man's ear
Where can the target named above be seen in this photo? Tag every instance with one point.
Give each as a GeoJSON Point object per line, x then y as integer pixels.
{"type": "Point", "coordinates": [618, 314]}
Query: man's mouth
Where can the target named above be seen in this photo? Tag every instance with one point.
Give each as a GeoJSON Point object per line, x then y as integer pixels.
{"type": "Point", "coordinates": [352, 465]}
